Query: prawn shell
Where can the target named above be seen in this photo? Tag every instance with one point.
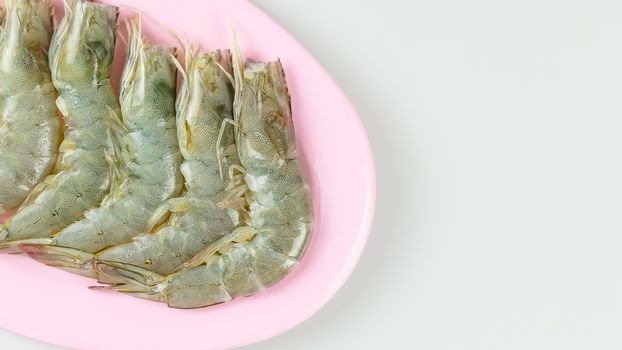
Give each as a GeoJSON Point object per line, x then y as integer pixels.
{"type": "Point", "coordinates": [81, 53]}
{"type": "Point", "coordinates": [29, 127]}
{"type": "Point", "coordinates": [147, 162]}
{"type": "Point", "coordinates": [259, 255]}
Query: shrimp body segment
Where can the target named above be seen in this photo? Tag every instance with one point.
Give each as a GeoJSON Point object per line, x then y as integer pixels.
{"type": "Point", "coordinates": [29, 127]}
{"type": "Point", "coordinates": [81, 55]}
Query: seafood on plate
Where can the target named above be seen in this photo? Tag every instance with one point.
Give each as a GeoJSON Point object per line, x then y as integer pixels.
{"type": "Point", "coordinates": [81, 54]}
{"type": "Point", "coordinates": [207, 210]}
{"type": "Point", "coordinates": [211, 205]}
{"type": "Point", "coordinates": [30, 130]}
{"type": "Point", "coordinates": [191, 200]}
{"type": "Point", "coordinates": [149, 163]}
{"type": "Point", "coordinates": [255, 256]}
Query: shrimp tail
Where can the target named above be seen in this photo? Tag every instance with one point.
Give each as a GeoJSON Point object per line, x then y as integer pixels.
{"type": "Point", "coordinates": [14, 247]}
{"type": "Point", "coordinates": [114, 273]}
{"type": "Point", "coordinates": [68, 259]}
{"type": "Point", "coordinates": [172, 290]}
{"type": "Point", "coordinates": [129, 279]}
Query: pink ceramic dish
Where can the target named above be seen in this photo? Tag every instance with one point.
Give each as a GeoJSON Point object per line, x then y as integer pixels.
{"type": "Point", "coordinates": [56, 307]}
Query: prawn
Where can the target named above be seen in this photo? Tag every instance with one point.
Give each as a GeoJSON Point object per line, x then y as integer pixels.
{"type": "Point", "coordinates": [260, 254]}
{"type": "Point", "coordinates": [150, 163]}
{"type": "Point", "coordinates": [81, 54]}
{"type": "Point", "coordinates": [29, 127]}
{"type": "Point", "coordinates": [206, 210]}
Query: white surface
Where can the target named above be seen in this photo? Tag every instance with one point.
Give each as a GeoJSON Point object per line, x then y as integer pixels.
{"type": "Point", "coordinates": [497, 130]}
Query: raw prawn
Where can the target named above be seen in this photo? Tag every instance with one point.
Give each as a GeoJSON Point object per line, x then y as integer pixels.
{"type": "Point", "coordinates": [29, 127]}
{"type": "Point", "coordinates": [81, 55]}
{"type": "Point", "coordinates": [258, 255]}
{"type": "Point", "coordinates": [206, 211]}
{"type": "Point", "coordinates": [149, 173]}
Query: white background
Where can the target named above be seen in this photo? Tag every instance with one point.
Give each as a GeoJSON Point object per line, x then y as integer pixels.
{"type": "Point", "coordinates": [497, 131]}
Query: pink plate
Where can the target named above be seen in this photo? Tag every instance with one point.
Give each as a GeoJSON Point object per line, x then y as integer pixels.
{"type": "Point", "coordinates": [56, 307]}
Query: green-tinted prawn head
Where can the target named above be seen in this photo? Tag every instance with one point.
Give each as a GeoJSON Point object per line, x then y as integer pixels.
{"type": "Point", "coordinates": [204, 71]}
{"type": "Point", "coordinates": [206, 88]}
{"type": "Point", "coordinates": [208, 66]}
{"type": "Point", "coordinates": [82, 48]}
{"type": "Point", "coordinates": [27, 20]}
{"type": "Point", "coordinates": [24, 42]}
{"type": "Point", "coordinates": [146, 65]}
{"type": "Point", "coordinates": [262, 110]}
